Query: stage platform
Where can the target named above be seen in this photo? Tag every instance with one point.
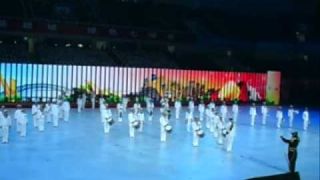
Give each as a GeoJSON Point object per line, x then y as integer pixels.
{"type": "Point", "coordinates": [79, 150]}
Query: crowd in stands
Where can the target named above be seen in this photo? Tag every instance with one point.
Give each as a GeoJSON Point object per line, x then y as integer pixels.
{"type": "Point", "coordinates": [13, 51]}
{"type": "Point", "coordinates": [73, 53]}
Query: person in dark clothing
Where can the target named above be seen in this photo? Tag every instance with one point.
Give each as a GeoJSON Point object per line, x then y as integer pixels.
{"type": "Point", "coordinates": [292, 150]}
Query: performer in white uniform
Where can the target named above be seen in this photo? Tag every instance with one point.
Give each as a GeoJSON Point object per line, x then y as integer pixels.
{"type": "Point", "coordinates": [219, 129]}
{"type": "Point", "coordinates": [16, 116]}
{"type": "Point", "coordinates": [125, 101]}
{"type": "Point", "coordinates": [150, 107]}
{"type": "Point", "coordinates": [22, 120]}
{"type": "Point", "coordinates": [177, 106]}
{"type": "Point", "coordinates": [66, 110]}
{"type": "Point", "coordinates": [291, 114]}
{"type": "Point", "coordinates": [201, 109]}
{"type": "Point", "coordinates": [93, 100]}
{"type": "Point", "coordinates": [55, 114]}
{"type": "Point", "coordinates": [164, 124]}
{"type": "Point", "coordinates": [253, 114]}
{"type": "Point", "coordinates": [120, 111]}
{"type": "Point", "coordinates": [189, 117]}
{"type": "Point", "coordinates": [208, 116]}
{"type": "Point", "coordinates": [84, 100]}
{"type": "Point", "coordinates": [306, 120]}
{"type": "Point", "coordinates": [136, 106]}
{"type": "Point", "coordinates": [47, 115]}
{"type": "Point", "coordinates": [224, 111]}
{"type": "Point", "coordinates": [79, 103]}
{"type": "Point", "coordinates": [279, 116]}
{"type": "Point", "coordinates": [132, 119]}
{"type": "Point", "coordinates": [191, 106]}
{"type": "Point", "coordinates": [40, 119]}
{"type": "Point", "coordinates": [34, 110]}
{"type": "Point", "coordinates": [107, 119]}
{"type": "Point", "coordinates": [214, 123]}
{"type": "Point", "coordinates": [229, 133]}
{"type": "Point", "coordinates": [141, 119]}
{"type": "Point", "coordinates": [5, 120]}
{"type": "Point", "coordinates": [235, 111]}
{"type": "Point", "coordinates": [197, 130]}
{"type": "Point", "coordinates": [264, 112]}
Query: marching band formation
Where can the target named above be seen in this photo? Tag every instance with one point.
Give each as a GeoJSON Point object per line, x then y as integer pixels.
{"type": "Point", "coordinates": [217, 121]}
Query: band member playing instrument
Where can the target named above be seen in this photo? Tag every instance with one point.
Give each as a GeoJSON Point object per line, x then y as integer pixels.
{"type": "Point", "coordinates": [197, 131]}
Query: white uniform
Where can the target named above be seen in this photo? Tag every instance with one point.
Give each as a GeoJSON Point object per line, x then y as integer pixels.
{"type": "Point", "coordinates": [125, 104]}
{"type": "Point", "coordinates": [264, 112]}
{"type": "Point", "coordinates": [120, 111]}
{"type": "Point", "coordinates": [15, 117]}
{"type": "Point", "coordinates": [219, 129]}
{"type": "Point", "coordinates": [196, 126]}
{"type": "Point", "coordinates": [163, 134]}
{"type": "Point", "coordinates": [93, 100]}
{"type": "Point", "coordinates": [177, 106]}
{"type": "Point", "coordinates": [141, 118]}
{"type": "Point", "coordinates": [253, 114]}
{"type": "Point", "coordinates": [214, 124]}
{"type": "Point", "coordinates": [189, 117]}
{"type": "Point", "coordinates": [150, 107]}
{"type": "Point", "coordinates": [229, 136]}
{"type": "Point", "coordinates": [201, 109]}
{"type": "Point", "coordinates": [191, 106]}
{"type": "Point", "coordinates": [79, 104]}
{"type": "Point", "coordinates": [103, 108]}
{"type": "Point", "coordinates": [136, 107]}
{"type": "Point", "coordinates": [291, 113]}
{"type": "Point", "coordinates": [22, 120]}
{"type": "Point", "coordinates": [66, 110]}
{"type": "Point", "coordinates": [55, 114]}
{"type": "Point", "coordinates": [131, 119]}
{"type": "Point", "coordinates": [101, 102]}
{"type": "Point", "coordinates": [279, 116]}
{"type": "Point", "coordinates": [305, 117]}
{"type": "Point", "coordinates": [223, 111]}
{"type": "Point", "coordinates": [5, 123]}
{"type": "Point", "coordinates": [47, 114]}
{"type": "Point", "coordinates": [208, 114]}
{"type": "Point", "coordinates": [235, 112]}
{"type": "Point", "coordinates": [84, 99]}
{"type": "Point", "coordinates": [34, 110]}
{"type": "Point", "coordinates": [40, 120]}
{"type": "Point", "coordinates": [107, 115]}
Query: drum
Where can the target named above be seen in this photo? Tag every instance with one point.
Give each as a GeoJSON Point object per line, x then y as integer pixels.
{"type": "Point", "coordinates": [224, 132]}
{"type": "Point", "coordinates": [168, 128]}
{"type": "Point", "coordinates": [200, 133]}
{"type": "Point", "coordinates": [110, 121]}
{"type": "Point", "coordinates": [136, 124]}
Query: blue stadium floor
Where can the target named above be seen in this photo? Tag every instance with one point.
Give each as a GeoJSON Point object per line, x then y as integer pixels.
{"type": "Point", "coordinates": [79, 150]}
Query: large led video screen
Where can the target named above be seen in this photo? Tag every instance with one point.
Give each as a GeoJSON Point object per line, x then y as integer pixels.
{"type": "Point", "coordinates": [21, 82]}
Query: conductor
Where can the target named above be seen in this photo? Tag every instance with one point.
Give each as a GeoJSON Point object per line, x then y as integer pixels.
{"type": "Point", "coordinates": [292, 150]}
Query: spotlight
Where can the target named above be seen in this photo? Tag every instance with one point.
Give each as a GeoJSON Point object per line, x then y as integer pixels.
{"type": "Point", "coordinates": [80, 45]}
{"type": "Point", "coordinates": [1, 42]}
{"type": "Point", "coordinates": [25, 38]}
{"type": "Point", "coordinates": [68, 45]}
{"type": "Point", "coordinates": [14, 42]}
{"type": "Point", "coordinates": [55, 45]}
